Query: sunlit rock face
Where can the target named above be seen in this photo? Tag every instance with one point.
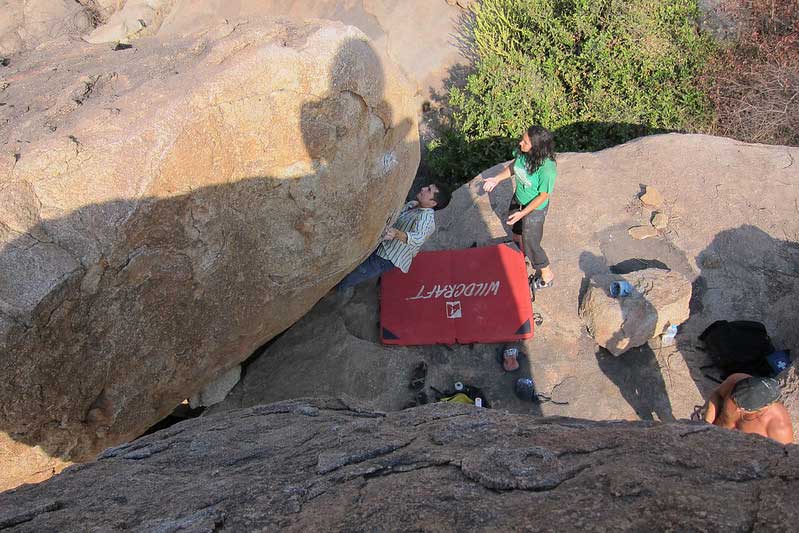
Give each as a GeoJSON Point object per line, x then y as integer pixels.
{"type": "Point", "coordinates": [421, 36]}
{"type": "Point", "coordinates": [167, 208]}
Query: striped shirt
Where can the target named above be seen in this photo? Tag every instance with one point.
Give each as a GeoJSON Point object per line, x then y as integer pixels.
{"type": "Point", "coordinates": [418, 223]}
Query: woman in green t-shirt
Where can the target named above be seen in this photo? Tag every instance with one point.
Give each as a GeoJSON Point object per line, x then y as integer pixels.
{"type": "Point", "coordinates": [533, 170]}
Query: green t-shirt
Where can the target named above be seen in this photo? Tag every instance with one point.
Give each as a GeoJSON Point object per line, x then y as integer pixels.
{"type": "Point", "coordinates": [528, 185]}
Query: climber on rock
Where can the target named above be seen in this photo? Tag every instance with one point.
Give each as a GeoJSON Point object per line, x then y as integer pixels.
{"type": "Point", "coordinates": [401, 242]}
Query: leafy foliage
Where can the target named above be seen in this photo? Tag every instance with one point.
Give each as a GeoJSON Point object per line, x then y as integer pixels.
{"type": "Point", "coordinates": [596, 72]}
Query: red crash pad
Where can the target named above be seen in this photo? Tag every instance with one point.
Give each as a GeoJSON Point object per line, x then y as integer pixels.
{"type": "Point", "coordinates": [458, 296]}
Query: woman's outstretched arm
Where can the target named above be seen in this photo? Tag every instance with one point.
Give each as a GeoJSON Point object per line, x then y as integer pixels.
{"type": "Point", "coordinates": [490, 183]}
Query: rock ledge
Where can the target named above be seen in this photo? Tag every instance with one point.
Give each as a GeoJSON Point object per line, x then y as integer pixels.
{"type": "Point", "coordinates": [326, 465]}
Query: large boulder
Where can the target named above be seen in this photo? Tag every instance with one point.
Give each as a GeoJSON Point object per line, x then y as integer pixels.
{"type": "Point", "coordinates": [418, 35]}
{"type": "Point", "coordinates": [659, 299]}
{"type": "Point", "coordinates": [329, 465]}
{"type": "Point", "coordinates": [168, 208]}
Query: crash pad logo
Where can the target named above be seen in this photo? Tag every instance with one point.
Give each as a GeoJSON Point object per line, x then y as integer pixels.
{"type": "Point", "coordinates": [458, 290]}
{"type": "Point", "coordinates": [454, 310]}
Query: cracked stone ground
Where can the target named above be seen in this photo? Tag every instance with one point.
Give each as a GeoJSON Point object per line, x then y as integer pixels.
{"type": "Point", "coordinates": [331, 465]}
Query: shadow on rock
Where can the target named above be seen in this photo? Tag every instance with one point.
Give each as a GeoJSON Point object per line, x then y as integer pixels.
{"type": "Point", "coordinates": [639, 378]}
{"type": "Point", "coordinates": [745, 274]}
{"type": "Point", "coordinates": [114, 313]}
{"type": "Point", "coordinates": [636, 372]}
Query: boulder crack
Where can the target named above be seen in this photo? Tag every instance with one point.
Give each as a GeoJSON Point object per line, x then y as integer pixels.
{"type": "Point", "coordinates": [588, 451]}
{"type": "Point", "coordinates": [328, 462]}
{"type": "Point", "coordinates": [439, 418]}
{"type": "Point", "coordinates": [7, 522]}
{"type": "Point", "coordinates": [695, 431]}
{"type": "Point", "coordinates": [390, 470]}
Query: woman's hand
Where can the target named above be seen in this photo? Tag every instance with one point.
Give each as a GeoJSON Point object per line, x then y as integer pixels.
{"type": "Point", "coordinates": [515, 217]}
{"type": "Point", "coordinates": [489, 184]}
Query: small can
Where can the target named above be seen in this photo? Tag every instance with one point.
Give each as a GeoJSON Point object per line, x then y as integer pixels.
{"type": "Point", "coordinates": [478, 402]}
{"type": "Point", "coordinates": [620, 289]}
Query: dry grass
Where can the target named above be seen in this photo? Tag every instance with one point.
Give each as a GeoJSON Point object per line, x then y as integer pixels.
{"type": "Point", "coordinates": [754, 82]}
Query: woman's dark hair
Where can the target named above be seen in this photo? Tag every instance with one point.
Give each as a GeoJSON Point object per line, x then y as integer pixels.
{"type": "Point", "coordinates": [542, 148]}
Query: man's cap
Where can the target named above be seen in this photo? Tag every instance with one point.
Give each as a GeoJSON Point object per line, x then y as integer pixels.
{"type": "Point", "coordinates": [753, 393]}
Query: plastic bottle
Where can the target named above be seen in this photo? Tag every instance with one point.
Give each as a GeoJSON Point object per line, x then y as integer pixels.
{"type": "Point", "coordinates": [459, 386]}
{"type": "Point", "coordinates": [667, 339]}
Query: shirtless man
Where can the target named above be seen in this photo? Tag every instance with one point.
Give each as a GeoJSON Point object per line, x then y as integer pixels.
{"type": "Point", "coordinates": [749, 404]}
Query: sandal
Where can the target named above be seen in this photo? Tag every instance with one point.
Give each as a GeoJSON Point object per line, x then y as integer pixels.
{"type": "Point", "coordinates": [509, 358]}
{"type": "Point", "coordinates": [418, 377]}
{"type": "Point", "coordinates": [510, 362]}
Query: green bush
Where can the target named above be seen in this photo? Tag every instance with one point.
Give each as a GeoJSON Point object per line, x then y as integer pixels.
{"type": "Point", "coordinates": [596, 72]}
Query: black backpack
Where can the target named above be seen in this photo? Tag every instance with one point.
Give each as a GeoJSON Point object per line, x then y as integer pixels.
{"type": "Point", "coordinates": [738, 346]}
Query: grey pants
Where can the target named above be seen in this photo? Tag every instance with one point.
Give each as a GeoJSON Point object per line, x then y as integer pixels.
{"type": "Point", "coordinates": [532, 232]}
